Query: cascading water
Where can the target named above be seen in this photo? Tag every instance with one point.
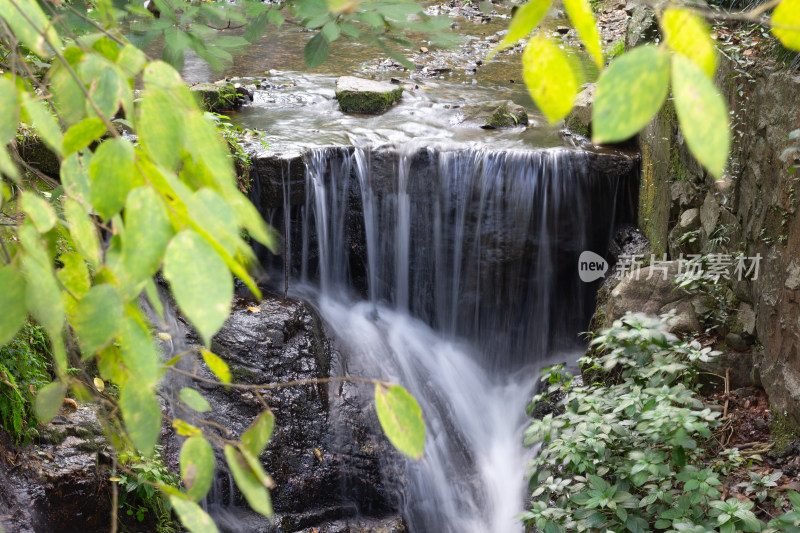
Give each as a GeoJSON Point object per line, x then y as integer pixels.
{"type": "Point", "coordinates": [467, 260]}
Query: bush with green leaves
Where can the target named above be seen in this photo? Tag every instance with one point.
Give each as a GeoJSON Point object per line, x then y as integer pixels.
{"type": "Point", "coordinates": [628, 451]}
{"type": "Point", "coordinates": [79, 258]}
{"type": "Point", "coordinates": [24, 369]}
{"type": "Point", "coordinates": [139, 497]}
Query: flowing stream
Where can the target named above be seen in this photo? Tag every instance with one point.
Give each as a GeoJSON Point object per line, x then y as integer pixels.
{"type": "Point", "coordinates": [452, 271]}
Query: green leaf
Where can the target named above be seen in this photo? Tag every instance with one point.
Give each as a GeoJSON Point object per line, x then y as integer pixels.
{"type": "Point", "coordinates": [139, 353]}
{"type": "Point", "coordinates": [12, 287]}
{"type": "Point", "coordinates": [194, 400]}
{"type": "Point", "coordinates": [142, 415]}
{"type": "Point", "coordinates": [702, 115]}
{"type": "Point", "coordinates": [257, 435]}
{"type": "Point", "coordinates": [39, 210]}
{"type": "Point", "coordinates": [629, 93]}
{"type": "Point", "coordinates": [83, 134]}
{"type": "Point", "coordinates": [131, 60]}
{"type": "Point", "coordinates": [316, 51]}
{"type": "Point", "coordinates": [401, 419]}
{"type": "Point", "coordinates": [253, 490]}
{"type": "Point", "coordinates": [192, 516]}
{"type": "Point", "coordinates": [331, 31]}
{"type": "Point", "coordinates": [217, 366]}
{"type": "Point", "coordinates": [82, 231]}
{"type": "Point", "coordinates": [111, 172]}
{"type": "Point", "coordinates": [7, 166]}
{"type": "Point", "coordinates": [147, 233]}
{"type": "Point", "coordinates": [42, 294]}
{"type": "Point", "coordinates": [550, 79]}
{"type": "Point", "coordinates": [525, 20]}
{"type": "Point", "coordinates": [200, 281]}
{"type": "Point", "coordinates": [48, 401]}
{"type": "Point", "coordinates": [43, 121]}
{"type": "Point", "coordinates": [97, 317]}
{"type": "Point", "coordinates": [74, 276]}
{"type": "Point", "coordinates": [159, 125]}
{"type": "Point", "coordinates": [75, 176]}
{"type": "Point", "coordinates": [786, 24]}
{"type": "Point", "coordinates": [9, 103]}
{"type": "Point", "coordinates": [580, 13]}
{"type": "Point", "coordinates": [688, 35]}
{"type": "Point", "coordinates": [197, 467]}
{"type": "Point", "coordinates": [29, 23]}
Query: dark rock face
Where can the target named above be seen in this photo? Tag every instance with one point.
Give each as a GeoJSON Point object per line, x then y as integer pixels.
{"type": "Point", "coordinates": [61, 484]}
{"type": "Point", "coordinates": [325, 457]}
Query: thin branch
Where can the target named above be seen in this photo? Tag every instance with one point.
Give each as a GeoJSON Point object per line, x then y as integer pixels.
{"type": "Point", "coordinates": [294, 383]}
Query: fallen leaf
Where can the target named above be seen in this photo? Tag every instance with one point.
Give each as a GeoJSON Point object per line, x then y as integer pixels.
{"type": "Point", "coordinates": [253, 309]}
{"type": "Point", "coordinates": [99, 385]}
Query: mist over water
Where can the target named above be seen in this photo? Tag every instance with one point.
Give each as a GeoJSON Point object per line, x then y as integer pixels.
{"type": "Point", "coordinates": [453, 272]}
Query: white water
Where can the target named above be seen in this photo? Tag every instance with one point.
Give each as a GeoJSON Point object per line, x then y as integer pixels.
{"type": "Point", "coordinates": [471, 280]}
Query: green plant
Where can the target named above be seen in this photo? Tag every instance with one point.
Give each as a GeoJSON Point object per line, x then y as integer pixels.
{"type": "Point", "coordinates": [24, 366]}
{"type": "Point", "coordinates": [139, 497]}
{"type": "Point", "coordinates": [78, 254]}
{"type": "Point", "coordinates": [235, 136]}
{"type": "Point", "coordinates": [760, 484]}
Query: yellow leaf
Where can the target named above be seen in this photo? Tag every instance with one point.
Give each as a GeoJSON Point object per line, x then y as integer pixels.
{"type": "Point", "coordinates": [99, 385]}
{"type": "Point", "coordinates": [580, 13]}
{"type": "Point", "coordinates": [253, 309]}
{"type": "Point", "coordinates": [164, 336]}
{"type": "Point", "coordinates": [688, 35]}
{"type": "Point", "coordinates": [786, 23]}
{"type": "Point", "coordinates": [318, 454]}
{"type": "Point", "coordinates": [113, 479]}
{"type": "Point", "coordinates": [550, 79]}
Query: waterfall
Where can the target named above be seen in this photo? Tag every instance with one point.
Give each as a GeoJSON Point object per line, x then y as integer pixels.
{"type": "Point", "coordinates": [454, 273]}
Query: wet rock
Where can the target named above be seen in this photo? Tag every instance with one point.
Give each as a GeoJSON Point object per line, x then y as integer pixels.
{"type": "Point", "coordinates": [495, 114]}
{"type": "Point", "coordinates": [579, 119]}
{"type": "Point", "coordinates": [35, 153]}
{"type": "Point", "coordinates": [325, 453]}
{"type": "Point", "coordinates": [367, 97]}
{"type": "Point", "coordinates": [217, 97]}
{"type": "Point", "coordinates": [60, 484]}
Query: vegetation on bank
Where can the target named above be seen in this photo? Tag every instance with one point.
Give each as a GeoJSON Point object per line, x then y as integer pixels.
{"type": "Point", "coordinates": [631, 447]}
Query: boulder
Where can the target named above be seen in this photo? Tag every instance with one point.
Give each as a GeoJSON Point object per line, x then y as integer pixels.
{"type": "Point", "coordinates": [649, 290]}
{"type": "Point", "coordinates": [366, 97]}
{"type": "Point", "coordinates": [61, 483]}
{"type": "Point", "coordinates": [579, 119]}
{"type": "Point", "coordinates": [326, 455]}
{"type": "Point", "coordinates": [217, 97]}
{"type": "Point", "coordinates": [495, 114]}
{"type": "Point", "coordinates": [684, 238]}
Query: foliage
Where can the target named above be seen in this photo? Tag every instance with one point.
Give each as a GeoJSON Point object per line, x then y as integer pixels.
{"type": "Point", "coordinates": [632, 89]}
{"type": "Point", "coordinates": [78, 258]}
{"type": "Point", "coordinates": [235, 136]}
{"type": "Point", "coordinates": [23, 371]}
{"type": "Point", "coordinates": [139, 497]}
{"type": "Point", "coordinates": [626, 453]}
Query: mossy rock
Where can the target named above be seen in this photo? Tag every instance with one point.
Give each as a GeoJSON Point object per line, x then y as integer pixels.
{"type": "Point", "coordinates": [216, 97]}
{"type": "Point", "coordinates": [366, 97]}
{"type": "Point", "coordinates": [34, 152]}
{"type": "Point", "coordinates": [495, 114]}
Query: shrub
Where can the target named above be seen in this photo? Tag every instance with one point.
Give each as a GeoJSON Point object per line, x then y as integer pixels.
{"type": "Point", "coordinates": [626, 452]}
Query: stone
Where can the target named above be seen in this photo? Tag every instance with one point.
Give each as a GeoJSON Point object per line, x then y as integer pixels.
{"type": "Point", "coordinates": [690, 219]}
{"type": "Point", "coordinates": [217, 97]}
{"type": "Point", "coordinates": [745, 320]}
{"type": "Point", "coordinates": [684, 238]}
{"type": "Point", "coordinates": [366, 97]}
{"type": "Point", "coordinates": [326, 455]}
{"type": "Point", "coordinates": [579, 119]}
{"type": "Point", "coordinates": [684, 194]}
{"type": "Point", "coordinates": [649, 291]}
{"type": "Point", "coordinates": [792, 276]}
{"type": "Point", "coordinates": [709, 214]}
{"type": "Point", "coordinates": [495, 114]}
{"type": "Point", "coordinates": [735, 341]}
{"type": "Point", "coordinates": [642, 26]}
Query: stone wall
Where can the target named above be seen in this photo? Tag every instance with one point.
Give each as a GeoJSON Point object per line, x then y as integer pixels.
{"type": "Point", "coordinates": [751, 211]}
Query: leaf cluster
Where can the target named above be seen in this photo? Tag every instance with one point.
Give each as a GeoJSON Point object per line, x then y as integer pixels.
{"type": "Point", "coordinates": [627, 454]}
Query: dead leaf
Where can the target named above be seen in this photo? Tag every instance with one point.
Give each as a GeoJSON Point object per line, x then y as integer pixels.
{"type": "Point", "coordinates": [253, 309]}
